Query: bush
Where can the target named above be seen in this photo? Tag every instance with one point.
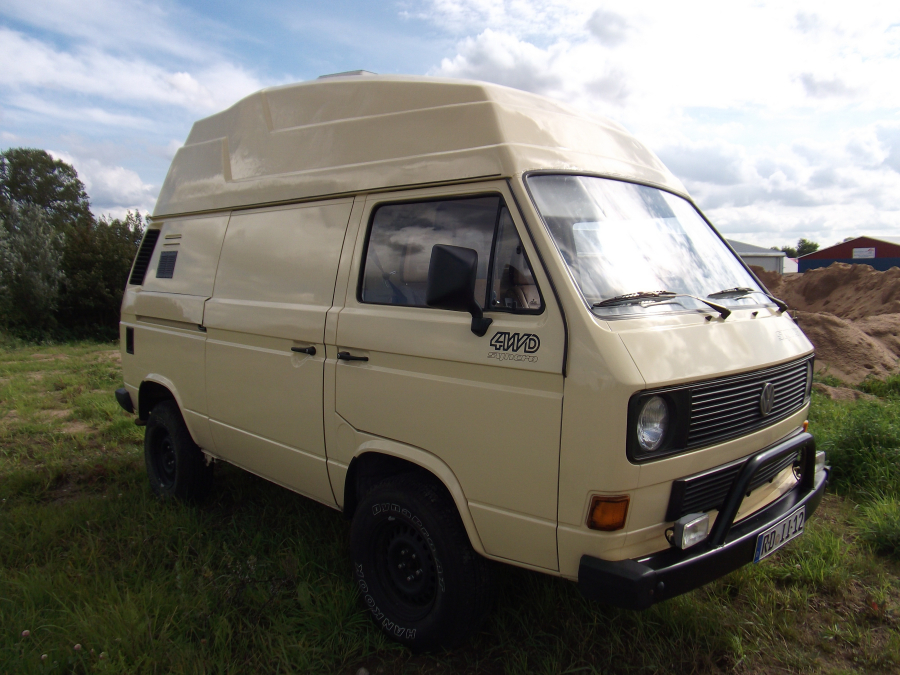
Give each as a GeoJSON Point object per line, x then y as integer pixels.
{"type": "Point", "coordinates": [889, 388]}
{"type": "Point", "coordinates": [863, 446]}
{"type": "Point", "coordinates": [62, 273]}
{"type": "Point", "coordinates": [879, 525]}
{"type": "Point", "coordinates": [30, 275]}
{"type": "Point", "coordinates": [95, 265]}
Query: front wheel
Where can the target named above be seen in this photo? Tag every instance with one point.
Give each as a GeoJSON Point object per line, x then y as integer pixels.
{"type": "Point", "coordinates": [175, 464]}
{"type": "Point", "coordinates": [414, 566]}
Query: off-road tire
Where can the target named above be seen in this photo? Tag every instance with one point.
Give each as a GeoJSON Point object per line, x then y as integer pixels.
{"type": "Point", "coordinates": [414, 566]}
{"type": "Point", "coordinates": [175, 464]}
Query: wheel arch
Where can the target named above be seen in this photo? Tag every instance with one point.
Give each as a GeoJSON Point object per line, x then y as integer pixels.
{"type": "Point", "coordinates": [376, 460]}
{"type": "Point", "coordinates": [155, 389]}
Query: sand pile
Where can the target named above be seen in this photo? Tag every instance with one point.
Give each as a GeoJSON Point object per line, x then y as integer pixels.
{"type": "Point", "coordinates": [851, 313]}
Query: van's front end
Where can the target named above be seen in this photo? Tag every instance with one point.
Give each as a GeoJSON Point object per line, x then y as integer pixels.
{"type": "Point", "coordinates": [684, 451]}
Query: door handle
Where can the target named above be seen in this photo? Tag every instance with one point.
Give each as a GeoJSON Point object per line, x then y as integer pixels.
{"type": "Point", "coordinates": [305, 350]}
{"type": "Point", "coordinates": [347, 356]}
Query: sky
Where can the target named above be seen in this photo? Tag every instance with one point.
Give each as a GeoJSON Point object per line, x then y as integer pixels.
{"type": "Point", "coordinates": [781, 118]}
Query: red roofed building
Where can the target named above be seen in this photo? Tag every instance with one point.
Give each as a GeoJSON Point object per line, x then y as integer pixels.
{"type": "Point", "coordinates": [882, 254]}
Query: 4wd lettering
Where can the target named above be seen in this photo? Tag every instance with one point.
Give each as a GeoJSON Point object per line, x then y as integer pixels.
{"type": "Point", "coordinates": [504, 341]}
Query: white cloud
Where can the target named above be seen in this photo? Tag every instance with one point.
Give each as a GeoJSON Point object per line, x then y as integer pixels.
{"type": "Point", "coordinates": [43, 71]}
{"type": "Point", "coordinates": [608, 27]}
{"type": "Point", "coordinates": [769, 111]}
{"type": "Point", "coordinates": [537, 18]}
{"type": "Point", "coordinates": [824, 87]}
{"type": "Point", "coordinates": [112, 189]}
{"type": "Point", "coordinates": [45, 107]}
{"type": "Point", "coordinates": [123, 26]}
{"type": "Point", "coordinates": [501, 58]}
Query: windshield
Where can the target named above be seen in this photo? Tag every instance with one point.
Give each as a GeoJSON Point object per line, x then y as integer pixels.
{"type": "Point", "coordinates": [620, 238]}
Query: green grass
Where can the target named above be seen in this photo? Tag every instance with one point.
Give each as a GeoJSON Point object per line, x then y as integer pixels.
{"type": "Point", "coordinates": [257, 580]}
{"type": "Point", "coordinates": [889, 388]}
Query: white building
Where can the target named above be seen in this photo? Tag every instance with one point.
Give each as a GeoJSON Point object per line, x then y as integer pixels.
{"type": "Point", "coordinates": [772, 261]}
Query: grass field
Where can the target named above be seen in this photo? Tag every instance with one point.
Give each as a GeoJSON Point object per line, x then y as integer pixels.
{"type": "Point", "coordinates": [107, 579]}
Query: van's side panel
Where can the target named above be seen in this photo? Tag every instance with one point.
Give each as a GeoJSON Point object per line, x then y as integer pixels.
{"type": "Point", "coordinates": [274, 286]}
{"type": "Point", "coordinates": [166, 312]}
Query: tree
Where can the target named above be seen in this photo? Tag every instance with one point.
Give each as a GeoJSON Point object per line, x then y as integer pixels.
{"type": "Point", "coordinates": [30, 275]}
{"type": "Point", "coordinates": [95, 265]}
{"type": "Point", "coordinates": [803, 247]}
{"type": "Point", "coordinates": [31, 176]}
{"type": "Point", "coordinates": [789, 250]}
{"type": "Point", "coordinates": [62, 274]}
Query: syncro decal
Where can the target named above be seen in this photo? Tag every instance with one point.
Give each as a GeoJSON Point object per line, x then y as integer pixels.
{"type": "Point", "coordinates": [514, 346]}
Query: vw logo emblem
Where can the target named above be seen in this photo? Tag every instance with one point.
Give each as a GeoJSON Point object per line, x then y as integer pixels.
{"type": "Point", "coordinates": [767, 399]}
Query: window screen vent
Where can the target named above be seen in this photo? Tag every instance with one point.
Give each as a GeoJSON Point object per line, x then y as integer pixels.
{"type": "Point", "coordinates": [142, 260]}
{"type": "Point", "coordinates": [166, 267]}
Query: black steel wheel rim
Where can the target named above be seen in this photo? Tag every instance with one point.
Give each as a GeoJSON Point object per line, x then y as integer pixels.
{"type": "Point", "coordinates": [164, 460]}
{"type": "Point", "coordinates": [406, 568]}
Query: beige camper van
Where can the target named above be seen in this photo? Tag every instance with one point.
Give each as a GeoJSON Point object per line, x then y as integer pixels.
{"type": "Point", "coordinates": [484, 325]}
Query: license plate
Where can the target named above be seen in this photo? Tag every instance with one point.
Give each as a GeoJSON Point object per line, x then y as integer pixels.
{"type": "Point", "coordinates": [789, 527]}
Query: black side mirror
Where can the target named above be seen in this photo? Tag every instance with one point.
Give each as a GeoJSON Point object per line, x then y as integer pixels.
{"type": "Point", "coordinates": [451, 283]}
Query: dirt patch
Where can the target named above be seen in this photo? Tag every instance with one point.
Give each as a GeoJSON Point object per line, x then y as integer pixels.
{"type": "Point", "coordinates": [50, 357]}
{"type": "Point", "coordinates": [111, 355]}
{"type": "Point", "coordinates": [851, 313]}
{"type": "Point", "coordinates": [37, 376]}
{"type": "Point", "coordinates": [77, 428]}
{"type": "Point", "coordinates": [845, 351]}
{"type": "Point", "coordinates": [847, 291]}
{"type": "Point", "coordinates": [45, 415]}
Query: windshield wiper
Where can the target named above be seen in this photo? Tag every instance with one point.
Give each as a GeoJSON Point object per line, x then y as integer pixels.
{"type": "Point", "coordinates": [736, 292]}
{"type": "Point", "coordinates": [741, 291]}
{"type": "Point", "coordinates": [632, 298]}
{"type": "Point", "coordinates": [640, 296]}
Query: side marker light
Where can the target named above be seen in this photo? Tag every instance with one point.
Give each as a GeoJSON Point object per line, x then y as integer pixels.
{"type": "Point", "coordinates": [805, 425]}
{"type": "Point", "coordinates": [607, 514]}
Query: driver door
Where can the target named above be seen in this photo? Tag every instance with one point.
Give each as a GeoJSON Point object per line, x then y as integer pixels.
{"type": "Point", "coordinates": [489, 407]}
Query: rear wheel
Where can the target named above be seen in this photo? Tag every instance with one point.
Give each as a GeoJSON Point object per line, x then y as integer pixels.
{"type": "Point", "coordinates": [414, 566]}
{"type": "Point", "coordinates": [175, 464]}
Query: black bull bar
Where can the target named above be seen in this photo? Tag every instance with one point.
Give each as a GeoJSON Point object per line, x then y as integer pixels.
{"type": "Point", "coordinates": [640, 583]}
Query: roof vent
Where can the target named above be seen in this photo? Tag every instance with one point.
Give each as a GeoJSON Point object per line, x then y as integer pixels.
{"type": "Point", "coordinates": [348, 73]}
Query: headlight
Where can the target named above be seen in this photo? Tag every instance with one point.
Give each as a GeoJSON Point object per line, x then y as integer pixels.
{"type": "Point", "coordinates": [652, 423]}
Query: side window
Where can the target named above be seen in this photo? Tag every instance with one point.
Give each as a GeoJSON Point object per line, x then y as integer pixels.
{"type": "Point", "coordinates": [401, 239]}
{"type": "Point", "coordinates": [512, 282]}
{"type": "Point", "coordinates": [402, 236]}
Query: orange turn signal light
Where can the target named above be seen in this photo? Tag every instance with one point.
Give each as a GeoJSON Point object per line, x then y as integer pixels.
{"type": "Point", "coordinates": [608, 513]}
{"type": "Point", "coordinates": [805, 425]}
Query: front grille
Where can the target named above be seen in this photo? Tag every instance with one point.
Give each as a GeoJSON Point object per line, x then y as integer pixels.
{"type": "Point", "coordinates": [729, 407]}
{"type": "Point", "coordinates": [707, 491]}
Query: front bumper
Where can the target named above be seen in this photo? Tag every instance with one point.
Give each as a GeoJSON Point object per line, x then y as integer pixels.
{"type": "Point", "coordinates": [638, 584]}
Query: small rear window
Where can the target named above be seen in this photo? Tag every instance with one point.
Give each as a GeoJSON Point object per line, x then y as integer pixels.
{"type": "Point", "coordinates": [166, 267]}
